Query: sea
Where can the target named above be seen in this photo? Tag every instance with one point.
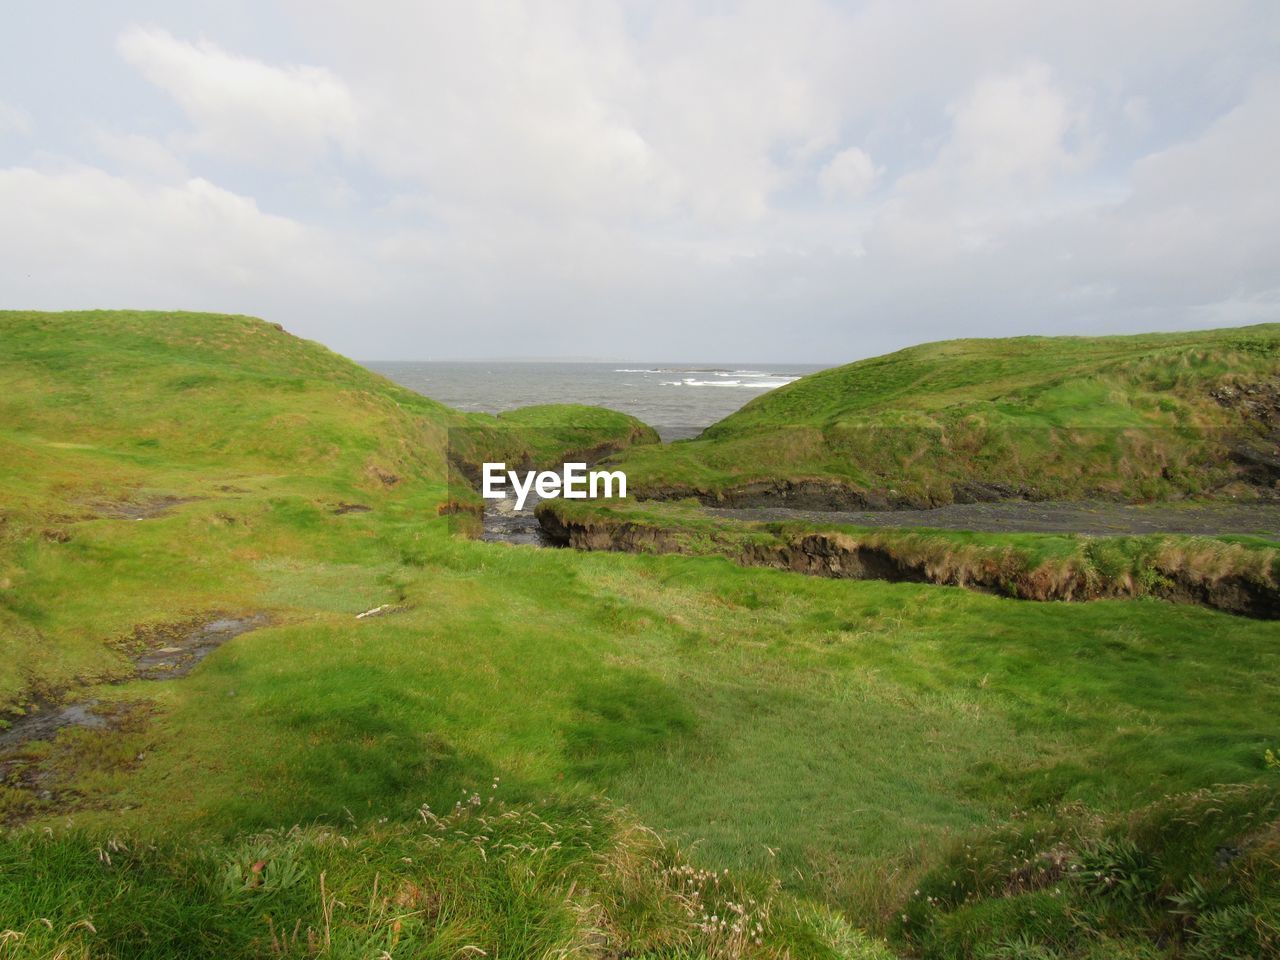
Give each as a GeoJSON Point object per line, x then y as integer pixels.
{"type": "Point", "coordinates": [679, 400]}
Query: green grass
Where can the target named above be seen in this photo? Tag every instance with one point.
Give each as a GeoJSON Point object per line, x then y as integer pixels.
{"type": "Point", "coordinates": [1130, 417]}
{"type": "Point", "coordinates": [269, 435]}
{"type": "Point", "coordinates": [1196, 870]}
{"type": "Point", "coordinates": [828, 742]}
{"type": "Point", "coordinates": [481, 879]}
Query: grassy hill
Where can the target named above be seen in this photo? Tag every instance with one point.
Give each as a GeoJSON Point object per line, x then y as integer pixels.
{"type": "Point", "coordinates": [1133, 418]}
{"type": "Point", "coordinates": [542, 753]}
{"type": "Point", "coordinates": [112, 416]}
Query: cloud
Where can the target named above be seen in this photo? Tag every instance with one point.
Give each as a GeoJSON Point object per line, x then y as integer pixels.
{"type": "Point", "coordinates": [242, 108]}
{"type": "Point", "coordinates": [1201, 222]}
{"type": "Point", "coordinates": [1016, 126]}
{"type": "Point", "coordinates": [803, 180]}
{"type": "Point", "coordinates": [78, 236]}
{"type": "Point", "coordinates": [141, 156]}
{"type": "Point", "coordinates": [573, 109]}
{"type": "Point", "coordinates": [849, 174]}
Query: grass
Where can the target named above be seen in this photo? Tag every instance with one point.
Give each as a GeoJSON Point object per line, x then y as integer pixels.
{"type": "Point", "coordinates": [474, 880]}
{"type": "Point", "coordinates": [1197, 870]}
{"type": "Point", "coordinates": [828, 742]}
{"type": "Point", "coordinates": [1135, 418]}
{"type": "Point", "coordinates": [268, 434]}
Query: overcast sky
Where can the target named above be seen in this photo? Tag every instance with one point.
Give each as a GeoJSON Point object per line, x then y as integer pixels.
{"type": "Point", "coordinates": [792, 180]}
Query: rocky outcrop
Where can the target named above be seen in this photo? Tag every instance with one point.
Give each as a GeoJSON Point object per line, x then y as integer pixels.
{"type": "Point", "coordinates": [1257, 457]}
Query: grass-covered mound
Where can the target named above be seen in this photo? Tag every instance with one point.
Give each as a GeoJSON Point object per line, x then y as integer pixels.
{"type": "Point", "coordinates": [1192, 875]}
{"type": "Point", "coordinates": [831, 738]}
{"type": "Point", "coordinates": [1134, 417]}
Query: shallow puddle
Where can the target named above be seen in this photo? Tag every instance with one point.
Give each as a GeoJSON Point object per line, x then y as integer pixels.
{"type": "Point", "coordinates": [44, 722]}
{"type": "Point", "coordinates": [178, 659]}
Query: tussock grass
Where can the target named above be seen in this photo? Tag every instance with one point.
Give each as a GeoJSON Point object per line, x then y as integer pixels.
{"type": "Point", "coordinates": [1192, 872]}
{"type": "Point", "coordinates": [480, 879]}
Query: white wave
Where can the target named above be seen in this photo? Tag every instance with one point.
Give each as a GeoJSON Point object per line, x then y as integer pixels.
{"type": "Point", "coordinates": [761, 382]}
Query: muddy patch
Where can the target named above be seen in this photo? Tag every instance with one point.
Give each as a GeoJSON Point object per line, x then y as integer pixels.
{"type": "Point", "coordinates": [141, 510]}
{"type": "Point", "coordinates": [158, 651]}
{"type": "Point", "coordinates": [177, 659]}
{"type": "Point", "coordinates": [345, 508]}
{"type": "Point", "coordinates": [39, 775]}
{"type": "Point", "coordinates": [46, 719]}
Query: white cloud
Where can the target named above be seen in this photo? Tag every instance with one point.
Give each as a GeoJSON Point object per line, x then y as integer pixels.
{"type": "Point", "coordinates": [849, 174]}
{"type": "Point", "coordinates": [141, 156]}
{"type": "Point", "coordinates": [243, 108]}
{"type": "Point", "coordinates": [1016, 126]}
{"type": "Point", "coordinates": [1014, 144]}
{"type": "Point", "coordinates": [80, 237]}
{"type": "Point", "coordinates": [569, 110]}
{"type": "Point", "coordinates": [681, 179]}
{"type": "Point", "coordinates": [1137, 110]}
{"type": "Point", "coordinates": [1202, 220]}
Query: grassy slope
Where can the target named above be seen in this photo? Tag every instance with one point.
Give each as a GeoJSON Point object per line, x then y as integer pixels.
{"type": "Point", "coordinates": [1042, 416]}
{"type": "Point", "coordinates": [837, 736]}
{"type": "Point", "coordinates": [104, 412]}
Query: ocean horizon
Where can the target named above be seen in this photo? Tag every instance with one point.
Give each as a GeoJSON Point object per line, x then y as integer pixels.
{"type": "Point", "coordinates": [679, 400]}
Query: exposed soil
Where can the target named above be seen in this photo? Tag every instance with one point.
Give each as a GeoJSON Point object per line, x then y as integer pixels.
{"type": "Point", "coordinates": [142, 510]}
{"type": "Point", "coordinates": [1257, 457]}
{"type": "Point", "coordinates": [46, 718]}
{"type": "Point", "coordinates": [842, 557]}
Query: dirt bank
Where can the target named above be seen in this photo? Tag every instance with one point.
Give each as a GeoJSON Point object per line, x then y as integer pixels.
{"type": "Point", "coordinates": [1222, 576]}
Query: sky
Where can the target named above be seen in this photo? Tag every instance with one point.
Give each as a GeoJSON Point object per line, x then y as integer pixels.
{"type": "Point", "coordinates": [758, 181]}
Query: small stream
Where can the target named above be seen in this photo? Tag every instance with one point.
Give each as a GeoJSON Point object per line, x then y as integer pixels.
{"type": "Point", "coordinates": [503, 523]}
